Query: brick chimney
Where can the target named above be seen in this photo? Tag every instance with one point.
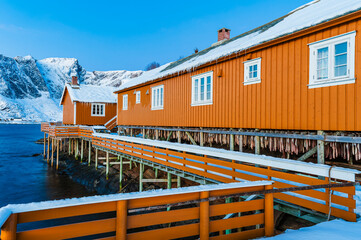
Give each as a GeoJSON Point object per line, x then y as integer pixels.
{"type": "Point", "coordinates": [224, 34]}
{"type": "Point", "coordinates": [74, 80]}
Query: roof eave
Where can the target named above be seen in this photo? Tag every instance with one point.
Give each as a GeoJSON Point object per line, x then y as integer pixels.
{"type": "Point", "coordinates": [278, 40]}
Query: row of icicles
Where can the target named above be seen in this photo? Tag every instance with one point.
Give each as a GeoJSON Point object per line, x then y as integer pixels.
{"type": "Point", "coordinates": [295, 147]}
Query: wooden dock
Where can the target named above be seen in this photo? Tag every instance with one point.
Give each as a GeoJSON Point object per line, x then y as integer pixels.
{"type": "Point", "coordinates": [309, 189]}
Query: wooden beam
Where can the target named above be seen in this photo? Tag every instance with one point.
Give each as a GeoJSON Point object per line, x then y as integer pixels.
{"type": "Point", "coordinates": [141, 177]}
{"type": "Point", "coordinates": [57, 154]}
{"type": "Point", "coordinates": [121, 220]}
{"type": "Point", "coordinates": [96, 158]}
{"type": "Point", "coordinates": [82, 151]}
{"type": "Point", "coordinates": [320, 149]}
{"type": "Point", "coordinates": [231, 142]}
{"type": "Point", "coordinates": [44, 146]}
{"type": "Point", "coordinates": [89, 153]}
{"type": "Point", "coordinates": [169, 135]}
{"type": "Point", "coordinates": [159, 180]}
{"type": "Point", "coordinates": [120, 172]}
{"type": "Point", "coordinates": [107, 166]}
{"type": "Point", "coordinates": [179, 137]}
{"type": "Point", "coordinates": [269, 212]}
{"type": "Point", "coordinates": [201, 139]}
{"type": "Point", "coordinates": [48, 155]}
{"type": "Point", "coordinates": [52, 152]}
{"type": "Point", "coordinates": [308, 154]}
{"type": "Point", "coordinates": [191, 138]}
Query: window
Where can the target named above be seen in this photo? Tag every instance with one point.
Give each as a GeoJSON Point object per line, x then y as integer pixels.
{"type": "Point", "coordinates": [252, 71]}
{"type": "Point", "coordinates": [137, 97]}
{"type": "Point", "coordinates": [202, 89]}
{"type": "Point", "coordinates": [332, 61]}
{"type": "Point", "coordinates": [157, 97]}
{"type": "Point", "coordinates": [125, 102]}
{"type": "Point", "coordinates": [98, 110]}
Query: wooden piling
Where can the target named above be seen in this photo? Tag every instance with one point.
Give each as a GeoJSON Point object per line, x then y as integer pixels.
{"type": "Point", "coordinates": [47, 157]}
{"type": "Point", "coordinates": [169, 182]}
{"type": "Point", "coordinates": [52, 152]}
{"type": "Point", "coordinates": [89, 153]}
{"type": "Point", "coordinates": [57, 154]}
{"type": "Point", "coordinates": [240, 139]}
{"type": "Point", "coordinates": [96, 158]}
{"type": "Point", "coordinates": [44, 145]}
{"type": "Point", "coordinates": [107, 166]}
{"type": "Point", "coordinates": [81, 150]}
{"type": "Point", "coordinates": [201, 139]}
{"type": "Point", "coordinates": [120, 172]}
{"type": "Point", "coordinates": [257, 144]}
{"type": "Point", "coordinates": [140, 177]}
{"type": "Point", "coordinates": [231, 142]}
{"type": "Point", "coordinates": [69, 146]}
{"type": "Point", "coordinates": [320, 149]}
{"type": "Point", "coordinates": [179, 182]}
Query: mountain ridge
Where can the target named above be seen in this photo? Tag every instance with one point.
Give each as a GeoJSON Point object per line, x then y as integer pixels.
{"type": "Point", "coordinates": [30, 89]}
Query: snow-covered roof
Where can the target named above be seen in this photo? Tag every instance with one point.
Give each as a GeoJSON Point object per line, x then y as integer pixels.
{"type": "Point", "coordinates": [306, 16]}
{"type": "Point", "coordinates": [90, 94]}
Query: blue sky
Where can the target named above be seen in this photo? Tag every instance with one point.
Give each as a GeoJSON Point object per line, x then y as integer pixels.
{"type": "Point", "coordinates": [115, 35]}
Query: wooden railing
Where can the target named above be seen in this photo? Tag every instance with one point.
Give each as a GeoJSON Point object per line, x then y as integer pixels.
{"type": "Point", "coordinates": [198, 212]}
{"type": "Point", "coordinates": [226, 167]}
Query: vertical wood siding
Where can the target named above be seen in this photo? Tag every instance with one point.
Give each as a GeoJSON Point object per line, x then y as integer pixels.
{"type": "Point", "coordinates": [281, 101]}
{"type": "Point", "coordinates": [68, 109]}
{"type": "Point", "coordinates": [84, 117]}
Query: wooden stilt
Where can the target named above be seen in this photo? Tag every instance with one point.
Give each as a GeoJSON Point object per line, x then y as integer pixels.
{"type": "Point", "coordinates": [320, 149]}
{"type": "Point", "coordinates": [76, 149]}
{"type": "Point", "coordinates": [140, 177]}
{"type": "Point", "coordinates": [52, 152]}
{"type": "Point", "coordinates": [257, 145]}
{"type": "Point", "coordinates": [89, 153]}
{"type": "Point", "coordinates": [201, 140]}
{"type": "Point", "coordinates": [143, 133]}
{"type": "Point", "coordinates": [107, 166]}
{"type": "Point", "coordinates": [57, 154]}
{"type": "Point", "coordinates": [130, 164]}
{"type": "Point", "coordinates": [120, 172]}
{"type": "Point", "coordinates": [96, 158]}
{"type": "Point", "coordinates": [240, 139]}
{"type": "Point", "coordinates": [156, 173]}
{"type": "Point", "coordinates": [156, 134]}
{"type": "Point", "coordinates": [179, 137]}
{"type": "Point", "coordinates": [44, 146]}
{"type": "Point", "coordinates": [231, 142]}
{"type": "Point", "coordinates": [69, 146]}
{"type": "Point", "coordinates": [169, 182]}
{"type": "Point", "coordinates": [82, 151]}
{"type": "Point", "coordinates": [178, 182]}
{"type": "Point", "coordinates": [48, 155]}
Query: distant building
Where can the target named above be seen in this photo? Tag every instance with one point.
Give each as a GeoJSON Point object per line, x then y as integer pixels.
{"type": "Point", "coordinates": [87, 105]}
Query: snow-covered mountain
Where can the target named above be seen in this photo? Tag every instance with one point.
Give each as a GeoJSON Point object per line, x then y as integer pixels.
{"type": "Point", "coordinates": [30, 89]}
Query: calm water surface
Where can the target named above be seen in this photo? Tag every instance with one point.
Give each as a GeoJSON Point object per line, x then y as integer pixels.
{"type": "Point", "coordinates": [24, 178]}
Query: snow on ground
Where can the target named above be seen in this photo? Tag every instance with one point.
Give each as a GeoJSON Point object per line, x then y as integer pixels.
{"type": "Point", "coordinates": [332, 230]}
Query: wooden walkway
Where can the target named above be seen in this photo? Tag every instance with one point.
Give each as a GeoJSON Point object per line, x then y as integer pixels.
{"type": "Point", "coordinates": [316, 187]}
{"type": "Point", "coordinates": [224, 166]}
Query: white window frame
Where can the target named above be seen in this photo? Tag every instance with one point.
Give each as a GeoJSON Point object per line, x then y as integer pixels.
{"type": "Point", "coordinates": [137, 97]}
{"type": "Point", "coordinates": [100, 106]}
{"type": "Point", "coordinates": [196, 90]}
{"type": "Point", "coordinates": [247, 64]}
{"type": "Point", "coordinates": [157, 104]}
{"type": "Point", "coordinates": [332, 80]}
{"type": "Point", "coordinates": [125, 102]}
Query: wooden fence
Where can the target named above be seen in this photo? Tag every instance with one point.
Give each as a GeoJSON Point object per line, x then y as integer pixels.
{"type": "Point", "coordinates": [194, 212]}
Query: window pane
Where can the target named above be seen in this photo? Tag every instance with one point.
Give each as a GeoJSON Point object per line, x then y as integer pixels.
{"type": "Point", "coordinates": [255, 67]}
{"type": "Point", "coordinates": [161, 97]}
{"type": "Point", "coordinates": [255, 74]}
{"type": "Point", "coordinates": [202, 89]}
{"type": "Point", "coordinates": [196, 90]}
{"type": "Point", "coordinates": [341, 71]}
{"type": "Point", "coordinates": [322, 63]}
{"type": "Point", "coordinates": [341, 60]}
{"type": "Point", "coordinates": [341, 48]}
{"type": "Point", "coordinates": [208, 88]}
